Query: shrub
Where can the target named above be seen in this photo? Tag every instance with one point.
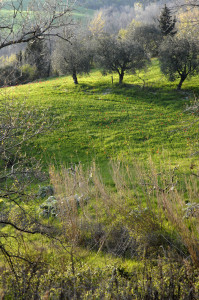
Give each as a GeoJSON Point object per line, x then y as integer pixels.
{"type": "Point", "coordinates": [13, 75]}
{"type": "Point", "coordinates": [9, 75]}
{"type": "Point", "coordinates": [161, 279]}
{"type": "Point", "coordinates": [28, 73]}
{"type": "Point", "coordinates": [45, 191]}
{"type": "Point", "coordinates": [48, 207]}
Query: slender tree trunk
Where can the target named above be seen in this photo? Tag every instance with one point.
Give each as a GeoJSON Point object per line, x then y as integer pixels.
{"type": "Point", "coordinates": [49, 62]}
{"type": "Point", "coordinates": [121, 77]}
{"type": "Point", "coordinates": [75, 77]}
{"type": "Point", "coordinates": [182, 79]}
{"type": "Point", "coordinates": [49, 69]}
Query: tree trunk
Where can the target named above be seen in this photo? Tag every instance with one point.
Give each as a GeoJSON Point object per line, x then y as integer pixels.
{"type": "Point", "coordinates": [182, 79]}
{"type": "Point", "coordinates": [121, 75]}
{"type": "Point", "coordinates": [49, 69]}
{"type": "Point", "coordinates": [75, 77]}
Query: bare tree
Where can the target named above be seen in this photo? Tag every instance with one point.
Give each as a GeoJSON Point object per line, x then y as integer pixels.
{"type": "Point", "coordinates": [27, 20]}
{"type": "Point", "coordinates": [18, 125]}
{"type": "Point", "coordinates": [23, 21]}
{"type": "Point", "coordinates": [112, 19]}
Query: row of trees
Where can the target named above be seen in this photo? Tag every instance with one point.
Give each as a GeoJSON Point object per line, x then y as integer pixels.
{"type": "Point", "coordinates": [127, 51]}
{"type": "Point", "coordinates": [130, 51]}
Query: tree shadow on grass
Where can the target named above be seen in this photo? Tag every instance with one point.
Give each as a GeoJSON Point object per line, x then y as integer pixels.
{"type": "Point", "coordinates": [161, 96]}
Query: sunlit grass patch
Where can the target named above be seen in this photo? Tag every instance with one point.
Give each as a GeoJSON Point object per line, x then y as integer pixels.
{"type": "Point", "coordinates": [98, 120]}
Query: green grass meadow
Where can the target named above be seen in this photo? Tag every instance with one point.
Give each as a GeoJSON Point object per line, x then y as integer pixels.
{"type": "Point", "coordinates": [142, 120]}
{"type": "Point", "coordinates": [100, 121]}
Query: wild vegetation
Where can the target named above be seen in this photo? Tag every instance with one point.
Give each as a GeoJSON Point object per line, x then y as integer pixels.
{"type": "Point", "coordinates": [99, 179]}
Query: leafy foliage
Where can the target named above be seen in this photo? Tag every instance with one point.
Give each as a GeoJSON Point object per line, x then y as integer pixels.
{"type": "Point", "coordinates": [179, 58]}
{"type": "Point", "coordinates": [73, 58]}
{"type": "Point", "coordinates": [120, 55]}
{"type": "Point", "coordinates": [149, 36]}
{"type": "Point", "coordinates": [37, 55]}
{"type": "Point", "coordinates": [48, 207]}
{"type": "Point", "coordinates": [45, 191]}
{"type": "Point", "coordinates": [166, 22]}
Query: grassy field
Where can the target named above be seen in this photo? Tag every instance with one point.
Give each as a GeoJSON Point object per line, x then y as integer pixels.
{"type": "Point", "coordinates": [100, 121]}
{"type": "Point", "coordinates": [79, 14]}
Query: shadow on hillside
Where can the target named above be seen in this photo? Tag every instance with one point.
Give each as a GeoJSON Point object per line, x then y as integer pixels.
{"type": "Point", "coordinates": [161, 96]}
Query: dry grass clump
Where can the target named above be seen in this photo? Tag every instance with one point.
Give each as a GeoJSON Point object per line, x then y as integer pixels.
{"type": "Point", "coordinates": [72, 192]}
{"type": "Point", "coordinates": [148, 215]}
{"type": "Point", "coordinates": [144, 212]}
{"type": "Point", "coordinates": [177, 200]}
{"type": "Point", "coordinates": [182, 210]}
{"type": "Point", "coordinates": [122, 221]}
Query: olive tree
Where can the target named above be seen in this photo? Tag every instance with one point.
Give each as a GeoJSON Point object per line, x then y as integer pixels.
{"type": "Point", "coordinates": [73, 58]}
{"type": "Point", "coordinates": [119, 55]}
{"type": "Point", "coordinates": [179, 59]}
{"type": "Point", "coordinates": [147, 35]}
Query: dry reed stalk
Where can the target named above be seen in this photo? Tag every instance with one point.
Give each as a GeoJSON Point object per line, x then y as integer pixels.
{"type": "Point", "coordinates": [174, 208]}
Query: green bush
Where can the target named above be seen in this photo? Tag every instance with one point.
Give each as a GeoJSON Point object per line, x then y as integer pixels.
{"type": "Point", "coordinates": [9, 75]}
{"type": "Point", "coordinates": [28, 72]}
{"type": "Point", "coordinates": [14, 75]}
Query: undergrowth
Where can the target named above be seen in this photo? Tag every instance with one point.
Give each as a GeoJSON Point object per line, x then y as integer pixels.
{"type": "Point", "coordinates": [148, 216]}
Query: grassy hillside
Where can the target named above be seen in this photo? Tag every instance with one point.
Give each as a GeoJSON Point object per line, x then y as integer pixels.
{"type": "Point", "coordinates": [99, 121]}
{"type": "Point", "coordinates": [131, 240]}
{"type": "Point", "coordinates": [78, 13]}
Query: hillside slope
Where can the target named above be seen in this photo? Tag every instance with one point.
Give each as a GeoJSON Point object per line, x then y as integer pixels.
{"type": "Point", "coordinates": [100, 121]}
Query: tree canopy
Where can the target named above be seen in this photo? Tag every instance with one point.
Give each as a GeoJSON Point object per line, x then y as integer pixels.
{"type": "Point", "coordinates": [179, 58]}
{"type": "Point", "coordinates": [73, 58]}
{"type": "Point", "coordinates": [120, 55]}
{"type": "Point", "coordinates": [37, 54]}
{"type": "Point", "coordinates": [167, 22]}
{"type": "Point", "coordinates": [147, 35]}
